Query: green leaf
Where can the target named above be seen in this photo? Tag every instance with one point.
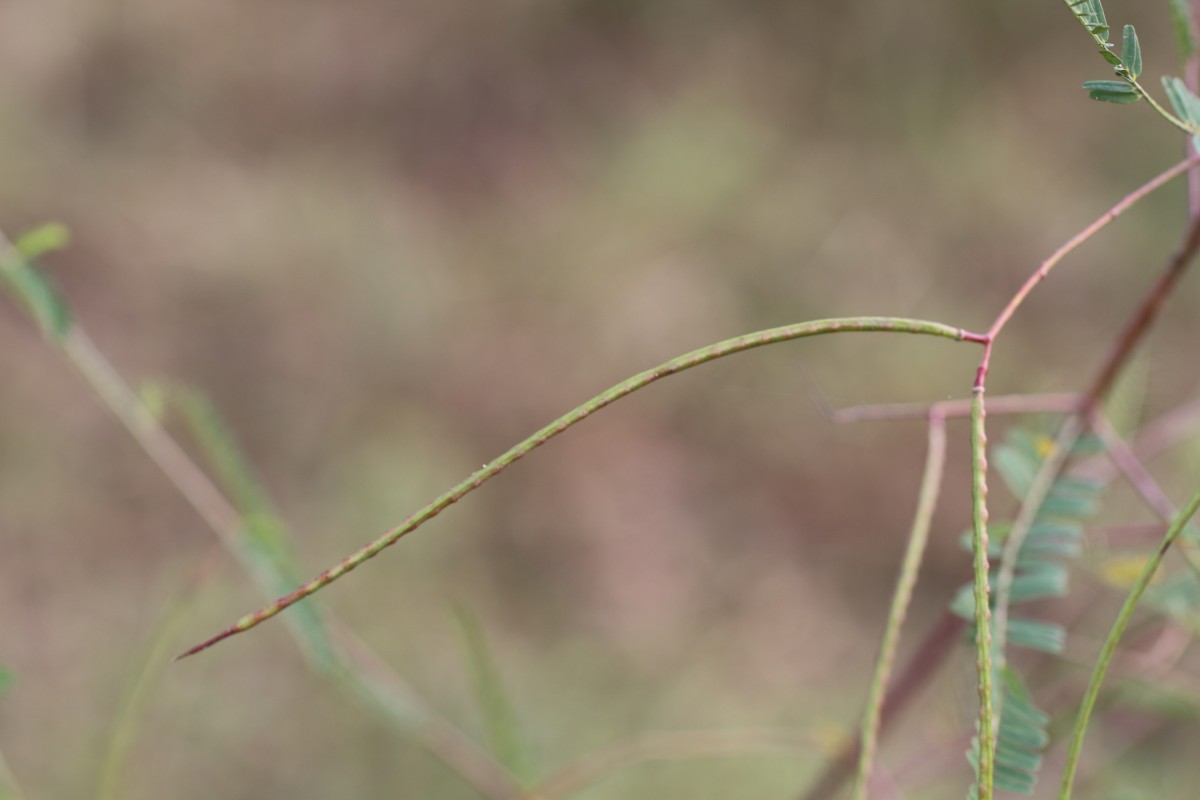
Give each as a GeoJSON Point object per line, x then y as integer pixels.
{"type": "Point", "coordinates": [1131, 52]}
{"type": "Point", "coordinates": [32, 289]}
{"type": "Point", "coordinates": [43, 239]}
{"type": "Point", "coordinates": [1073, 498]}
{"type": "Point", "coordinates": [1016, 468]}
{"type": "Point", "coordinates": [1046, 637]}
{"type": "Point", "coordinates": [1111, 91]}
{"type": "Point", "coordinates": [963, 604]}
{"type": "Point", "coordinates": [1179, 599]}
{"type": "Point", "coordinates": [1022, 735]}
{"type": "Point", "coordinates": [1034, 550]}
{"type": "Point", "coordinates": [261, 542]}
{"type": "Point", "coordinates": [1186, 104]}
{"type": "Point", "coordinates": [1185, 30]}
{"type": "Point", "coordinates": [1050, 580]}
{"type": "Point", "coordinates": [6, 679]}
{"type": "Point", "coordinates": [1109, 56]}
{"type": "Point", "coordinates": [1087, 445]}
{"type": "Point", "coordinates": [500, 720]}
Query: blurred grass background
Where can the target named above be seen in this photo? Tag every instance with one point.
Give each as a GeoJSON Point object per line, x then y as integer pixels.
{"type": "Point", "coordinates": [391, 239]}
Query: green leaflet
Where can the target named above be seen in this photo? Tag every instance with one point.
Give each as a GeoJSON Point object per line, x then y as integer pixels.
{"type": "Point", "coordinates": [262, 539]}
{"type": "Point", "coordinates": [1055, 535]}
{"type": "Point", "coordinates": [1034, 635]}
{"type": "Point", "coordinates": [1022, 737]}
{"type": "Point", "coordinates": [1091, 14]}
{"type": "Point", "coordinates": [1111, 91]}
{"type": "Point", "coordinates": [1179, 599]}
{"type": "Point", "coordinates": [30, 285]}
{"type": "Point", "coordinates": [1186, 104]}
{"type": "Point", "coordinates": [1131, 52]}
{"type": "Point", "coordinates": [35, 243]}
{"type": "Point", "coordinates": [6, 679]}
{"type": "Point", "coordinates": [1185, 31]}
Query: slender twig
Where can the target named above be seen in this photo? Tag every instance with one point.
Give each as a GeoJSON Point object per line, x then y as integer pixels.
{"type": "Point", "coordinates": [931, 482]}
{"type": "Point", "coordinates": [1167, 430]}
{"type": "Point", "coordinates": [1074, 242]}
{"type": "Point", "coordinates": [1131, 467]}
{"type": "Point", "coordinates": [573, 417]}
{"type": "Point", "coordinates": [665, 746]}
{"type": "Point", "coordinates": [1140, 478]}
{"type": "Point", "coordinates": [922, 666]}
{"type": "Point", "coordinates": [1108, 651]}
{"type": "Point", "coordinates": [383, 690]}
{"type": "Point", "coordinates": [952, 409]}
{"type": "Point", "coordinates": [1147, 313]}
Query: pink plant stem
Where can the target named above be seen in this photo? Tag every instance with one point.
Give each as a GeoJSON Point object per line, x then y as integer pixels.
{"type": "Point", "coordinates": [953, 409]}
{"type": "Point", "coordinates": [1129, 465]}
{"type": "Point", "coordinates": [1139, 324]}
{"type": "Point", "coordinates": [922, 666]}
{"type": "Point", "coordinates": [1073, 243]}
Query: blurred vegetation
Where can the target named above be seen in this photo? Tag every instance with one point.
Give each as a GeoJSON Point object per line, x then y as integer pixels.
{"type": "Point", "coordinates": [391, 239]}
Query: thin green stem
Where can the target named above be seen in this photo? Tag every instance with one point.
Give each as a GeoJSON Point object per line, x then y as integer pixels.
{"type": "Point", "coordinates": [9, 788]}
{"type": "Point", "coordinates": [1187, 128]}
{"type": "Point", "coordinates": [575, 416]}
{"type": "Point", "coordinates": [983, 638]}
{"type": "Point", "coordinates": [123, 733]}
{"type": "Point", "coordinates": [931, 481]}
{"type": "Point", "coordinates": [1109, 650]}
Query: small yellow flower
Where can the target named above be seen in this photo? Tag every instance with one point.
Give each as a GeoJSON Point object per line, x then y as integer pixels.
{"type": "Point", "coordinates": [1121, 571]}
{"type": "Point", "coordinates": [1044, 446]}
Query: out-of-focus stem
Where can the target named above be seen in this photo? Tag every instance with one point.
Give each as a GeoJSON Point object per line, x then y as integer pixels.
{"type": "Point", "coordinates": [1109, 650]}
{"type": "Point", "coordinates": [1074, 242]}
{"type": "Point", "coordinates": [664, 746]}
{"type": "Point", "coordinates": [950, 409]}
{"type": "Point", "coordinates": [1147, 312]}
{"type": "Point", "coordinates": [931, 482]}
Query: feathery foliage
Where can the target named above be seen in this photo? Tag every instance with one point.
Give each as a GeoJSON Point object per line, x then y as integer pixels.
{"type": "Point", "coordinates": [1055, 536]}
{"type": "Point", "coordinates": [1127, 65]}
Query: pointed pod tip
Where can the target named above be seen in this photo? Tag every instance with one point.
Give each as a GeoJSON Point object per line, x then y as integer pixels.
{"type": "Point", "coordinates": [207, 643]}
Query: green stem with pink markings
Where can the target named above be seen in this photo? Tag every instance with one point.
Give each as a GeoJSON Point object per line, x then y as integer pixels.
{"type": "Point", "coordinates": [492, 469]}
